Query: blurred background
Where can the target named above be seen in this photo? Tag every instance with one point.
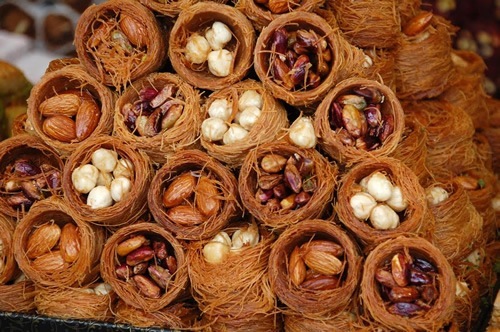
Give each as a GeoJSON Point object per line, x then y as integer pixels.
{"type": "Point", "coordinates": [34, 32]}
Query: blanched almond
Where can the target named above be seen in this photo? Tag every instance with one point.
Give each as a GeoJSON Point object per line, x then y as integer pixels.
{"type": "Point", "coordinates": [42, 240]}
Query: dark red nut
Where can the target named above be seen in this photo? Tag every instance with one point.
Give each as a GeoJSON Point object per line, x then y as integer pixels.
{"type": "Point", "coordinates": [142, 254]}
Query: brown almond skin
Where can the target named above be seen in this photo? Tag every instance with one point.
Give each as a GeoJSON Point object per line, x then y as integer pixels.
{"type": "Point", "coordinates": [49, 262]}
{"type": "Point", "coordinates": [70, 242]}
{"type": "Point", "coordinates": [180, 189]}
{"type": "Point", "coordinates": [42, 240]}
{"type": "Point", "coordinates": [126, 247]}
{"type": "Point", "coordinates": [296, 267]}
{"type": "Point", "coordinates": [323, 262]}
{"type": "Point", "coordinates": [66, 104]}
{"type": "Point", "coordinates": [185, 215]}
{"type": "Point", "coordinates": [321, 282]}
{"type": "Point", "coordinates": [403, 294]}
{"type": "Point", "coordinates": [60, 127]}
{"type": "Point", "coordinates": [207, 200]}
{"type": "Point", "coordinates": [418, 24]}
{"type": "Point", "coordinates": [87, 119]}
{"type": "Point", "coordinates": [146, 286]}
{"type": "Point", "coordinates": [325, 246]}
{"type": "Point", "coordinates": [134, 30]}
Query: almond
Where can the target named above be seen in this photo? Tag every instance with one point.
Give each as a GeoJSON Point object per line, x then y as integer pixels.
{"type": "Point", "coordinates": [323, 262]}
{"type": "Point", "coordinates": [180, 189]}
{"type": "Point", "coordinates": [66, 104]}
{"type": "Point", "coordinates": [207, 200]}
{"type": "Point", "coordinates": [296, 267]}
{"type": "Point", "coordinates": [42, 240]}
{"type": "Point", "coordinates": [279, 6]}
{"type": "Point", "coordinates": [321, 282]}
{"type": "Point", "coordinates": [129, 245]}
{"type": "Point", "coordinates": [70, 242]}
{"type": "Point", "coordinates": [60, 127]}
{"type": "Point", "coordinates": [87, 118]}
{"type": "Point", "coordinates": [49, 262]}
{"type": "Point", "coordinates": [325, 246]}
{"type": "Point", "coordinates": [134, 30]}
{"type": "Point", "coordinates": [467, 182]}
{"type": "Point", "coordinates": [418, 24]}
{"type": "Point", "coordinates": [185, 215]}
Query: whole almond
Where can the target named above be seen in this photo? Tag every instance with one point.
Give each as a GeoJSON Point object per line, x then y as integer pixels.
{"type": "Point", "coordinates": [185, 215]}
{"type": "Point", "coordinates": [66, 104]}
{"type": "Point", "coordinates": [323, 262]}
{"type": "Point", "coordinates": [42, 240]}
{"type": "Point", "coordinates": [296, 267]}
{"type": "Point", "coordinates": [49, 262]}
{"type": "Point", "coordinates": [87, 119]}
{"type": "Point", "coordinates": [323, 245]}
{"type": "Point", "coordinates": [70, 242]}
{"type": "Point", "coordinates": [207, 200]}
{"type": "Point", "coordinates": [60, 127]}
{"type": "Point", "coordinates": [126, 247]}
{"type": "Point", "coordinates": [321, 282]}
{"type": "Point", "coordinates": [134, 30]}
{"type": "Point", "coordinates": [279, 6]}
{"type": "Point", "coordinates": [418, 24]}
{"type": "Point", "coordinates": [147, 287]}
{"type": "Point", "coordinates": [180, 189]}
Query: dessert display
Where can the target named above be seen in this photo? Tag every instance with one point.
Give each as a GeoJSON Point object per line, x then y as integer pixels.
{"type": "Point", "coordinates": [264, 165]}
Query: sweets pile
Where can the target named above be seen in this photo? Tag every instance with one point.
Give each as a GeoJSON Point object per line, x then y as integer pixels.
{"type": "Point", "coordinates": [255, 166]}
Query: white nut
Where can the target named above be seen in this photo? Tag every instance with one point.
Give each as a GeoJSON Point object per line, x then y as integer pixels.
{"type": "Point", "coordinates": [220, 63]}
{"type": "Point", "coordinates": [218, 36]}
{"type": "Point", "coordinates": [250, 98]}
{"type": "Point", "coordinates": [105, 160]}
{"type": "Point", "coordinates": [120, 187]}
{"type": "Point", "coordinates": [302, 133]}
{"type": "Point", "coordinates": [99, 197]}
{"type": "Point", "coordinates": [104, 179]}
{"type": "Point", "coordinates": [124, 168]}
{"type": "Point", "coordinates": [379, 186]}
{"type": "Point", "coordinates": [220, 108]}
{"type": "Point", "coordinates": [397, 202]}
{"type": "Point", "coordinates": [383, 217]}
{"type": "Point", "coordinates": [362, 205]}
{"type": "Point", "coordinates": [213, 129]}
{"type": "Point", "coordinates": [234, 134]}
{"type": "Point", "coordinates": [84, 178]}
{"type": "Point", "coordinates": [197, 49]}
{"type": "Point", "coordinates": [436, 195]}
{"type": "Point", "coordinates": [249, 116]}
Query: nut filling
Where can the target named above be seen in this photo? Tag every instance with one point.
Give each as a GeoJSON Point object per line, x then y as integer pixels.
{"type": "Point", "coordinates": [317, 265]}
{"type": "Point", "coordinates": [299, 59]}
{"type": "Point", "coordinates": [53, 247]}
{"type": "Point", "coordinates": [147, 263]}
{"type": "Point", "coordinates": [285, 184]}
{"type": "Point", "coordinates": [70, 116]}
{"type": "Point", "coordinates": [407, 284]}
{"type": "Point", "coordinates": [192, 198]}
{"type": "Point", "coordinates": [155, 110]}
{"type": "Point", "coordinates": [212, 48]}
{"type": "Point", "coordinates": [24, 182]}
{"type": "Point", "coordinates": [358, 119]}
